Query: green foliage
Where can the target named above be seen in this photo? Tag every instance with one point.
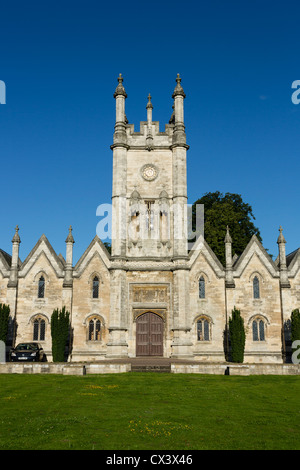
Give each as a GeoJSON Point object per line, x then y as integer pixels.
{"type": "Point", "coordinates": [222, 210]}
{"type": "Point", "coordinates": [107, 246]}
{"type": "Point", "coordinates": [60, 326]}
{"type": "Point", "coordinates": [295, 325]}
{"type": "Point", "coordinates": [237, 336]}
{"type": "Point", "coordinates": [4, 318]}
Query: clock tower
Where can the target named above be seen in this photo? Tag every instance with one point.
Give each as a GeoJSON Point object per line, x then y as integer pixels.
{"type": "Point", "coordinates": [149, 273]}
{"type": "Point", "coordinates": [149, 183]}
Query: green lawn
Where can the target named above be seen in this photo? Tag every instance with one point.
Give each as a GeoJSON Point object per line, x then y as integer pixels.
{"type": "Point", "coordinates": [154, 411]}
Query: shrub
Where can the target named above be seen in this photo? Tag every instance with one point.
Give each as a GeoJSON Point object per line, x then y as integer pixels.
{"type": "Point", "coordinates": [60, 325]}
{"type": "Point", "coordinates": [4, 319]}
{"type": "Point", "coordinates": [295, 325]}
{"type": "Point", "coordinates": [237, 336]}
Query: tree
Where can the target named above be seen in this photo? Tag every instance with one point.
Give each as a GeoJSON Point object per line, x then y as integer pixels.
{"type": "Point", "coordinates": [60, 326]}
{"type": "Point", "coordinates": [4, 319]}
{"type": "Point", "coordinates": [107, 246]}
{"type": "Point", "coordinates": [222, 210]}
{"type": "Point", "coordinates": [295, 325]}
{"type": "Point", "coordinates": [237, 336]}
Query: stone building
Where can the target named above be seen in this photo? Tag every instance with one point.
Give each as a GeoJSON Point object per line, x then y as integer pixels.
{"type": "Point", "coordinates": [151, 296]}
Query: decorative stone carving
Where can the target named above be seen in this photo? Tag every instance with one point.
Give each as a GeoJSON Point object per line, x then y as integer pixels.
{"type": "Point", "coordinates": [151, 294]}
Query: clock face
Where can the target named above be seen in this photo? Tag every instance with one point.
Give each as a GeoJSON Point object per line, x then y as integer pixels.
{"type": "Point", "coordinates": [149, 172]}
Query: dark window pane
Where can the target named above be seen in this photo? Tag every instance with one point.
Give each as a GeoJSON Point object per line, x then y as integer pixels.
{"type": "Point", "coordinates": [206, 330]}
{"type": "Point", "coordinates": [199, 331]}
{"type": "Point", "coordinates": [35, 330]}
{"type": "Point", "coordinates": [94, 330]}
{"type": "Point", "coordinates": [42, 330]}
{"type": "Point", "coordinates": [256, 287]}
{"type": "Point", "coordinates": [201, 288]}
{"type": "Point", "coordinates": [203, 330]}
{"type": "Point", "coordinates": [91, 330]}
{"type": "Point", "coordinates": [95, 288]}
{"type": "Point", "coordinates": [261, 330]}
{"type": "Point", "coordinates": [254, 330]}
{"type": "Point", "coordinates": [98, 330]}
{"type": "Point", "coordinates": [41, 288]}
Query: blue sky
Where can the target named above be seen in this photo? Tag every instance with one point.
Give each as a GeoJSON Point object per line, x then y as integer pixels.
{"type": "Point", "coordinates": [60, 62]}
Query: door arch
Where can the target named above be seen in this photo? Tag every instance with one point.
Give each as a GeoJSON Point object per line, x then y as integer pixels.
{"type": "Point", "coordinates": [149, 334]}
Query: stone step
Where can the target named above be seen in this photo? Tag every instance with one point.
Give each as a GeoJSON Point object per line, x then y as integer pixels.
{"type": "Point", "coordinates": [150, 368]}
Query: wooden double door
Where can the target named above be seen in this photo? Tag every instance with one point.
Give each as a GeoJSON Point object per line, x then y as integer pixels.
{"type": "Point", "coordinates": [149, 335]}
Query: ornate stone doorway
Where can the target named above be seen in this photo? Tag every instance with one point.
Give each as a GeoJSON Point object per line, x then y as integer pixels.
{"type": "Point", "coordinates": [149, 334]}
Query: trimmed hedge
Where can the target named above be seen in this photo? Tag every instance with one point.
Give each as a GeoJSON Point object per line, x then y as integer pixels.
{"type": "Point", "coordinates": [4, 319]}
{"type": "Point", "coordinates": [237, 336]}
{"type": "Point", "coordinates": [295, 325]}
{"type": "Point", "coordinates": [60, 326]}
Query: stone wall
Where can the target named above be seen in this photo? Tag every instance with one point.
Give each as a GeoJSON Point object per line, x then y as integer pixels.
{"type": "Point", "coordinates": [212, 308]}
{"type": "Point", "coordinates": [266, 308]}
{"type": "Point", "coordinates": [61, 368]}
{"type": "Point", "coordinates": [29, 306]}
{"type": "Point", "coordinates": [107, 368]}
{"type": "Point", "coordinates": [236, 369]}
{"type": "Point", "coordinates": [86, 308]}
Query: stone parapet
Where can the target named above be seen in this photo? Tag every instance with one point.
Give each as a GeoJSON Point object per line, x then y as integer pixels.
{"type": "Point", "coordinates": [236, 369]}
{"type": "Point", "coordinates": [176, 368]}
{"type": "Point", "coordinates": [63, 368]}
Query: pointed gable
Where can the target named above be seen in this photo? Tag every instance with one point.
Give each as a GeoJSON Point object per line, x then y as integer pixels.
{"type": "Point", "coordinates": [96, 248]}
{"type": "Point", "coordinates": [293, 262]}
{"type": "Point", "coordinates": [43, 246]}
{"type": "Point", "coordinates": [5, 263]}
{"type": "Point", "coordinates": [253, 248]}
{"type": "Point", "coordinates": [202, 247]}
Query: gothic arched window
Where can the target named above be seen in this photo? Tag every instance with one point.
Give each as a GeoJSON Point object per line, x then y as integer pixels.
{"type": "Point", "coordinates": [203, 329]}
{"type": "Point", "coordinates": [258, 330]}
{"type": "Point", "coordinates": [201, 288]}
{"type": "Point", "coordinates": [39, 328]}
{"type": "Point", "coordinates": [41, 288]}
{"type": "Point", "coordinates": [256, 294]}
{"type": "Point", "coordinates": [94, 329]}
{"type": "Point", "coordinates": [95, 287]}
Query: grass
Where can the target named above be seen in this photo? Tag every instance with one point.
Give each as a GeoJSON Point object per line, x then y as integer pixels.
{"type": "Point", "coordinates": [149, 411]}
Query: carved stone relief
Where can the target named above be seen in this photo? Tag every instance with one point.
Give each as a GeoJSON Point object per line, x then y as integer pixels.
{"type": "Point", "coordinates": [149, 294]}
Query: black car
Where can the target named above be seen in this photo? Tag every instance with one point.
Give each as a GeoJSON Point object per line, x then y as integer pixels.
{"type": "Point", "coordinates": [25, 352]}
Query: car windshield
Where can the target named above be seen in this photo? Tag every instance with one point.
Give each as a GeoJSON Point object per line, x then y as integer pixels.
{"type": "Point", "coordinates": [26, 347]}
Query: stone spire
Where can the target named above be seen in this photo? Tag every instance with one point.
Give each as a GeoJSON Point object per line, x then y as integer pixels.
{"type": "Point", "coordinates": [178, 89]}
{"type": "Point", "coordinates": [70, 238]}
{"type": "Point", "coordinates": [119, 187]}
{"type": "Point", "coordinates": [179, 137]}
{"type": "Point", "coordinates": [120, 90]}
{"type": "Point", "coordinates": [68, 280]}
{"type": "Point", "coordinates": [284, 282]}
{"type": "Point", "coordinates": [228, 238]}
{"type": "Point", "coordinates": [149, 108]}
{"type": "Point", "coordinates": [229, 282]}
{"type": "Point", "coordinates": [16, 237]}
{"type": "Point", "coordinates": [281, 238]}
{"type": "Point", "coordinates": [149, 138]}
{"type": "Point", "coordinates": [179, 149]}
{"type": "Point", "coordinates": [13, 278]}
{"type": "Point", "coordinates": [120, 131]}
